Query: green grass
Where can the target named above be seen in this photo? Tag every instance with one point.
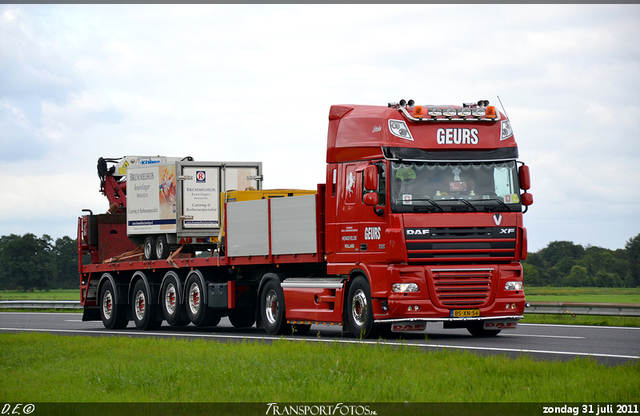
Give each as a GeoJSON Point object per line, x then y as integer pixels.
{"type": "Point", "coordinates": [580, 294]}
{"type": "Point", "coordinates": [60, 294]}
{"type": "Point", "coordinates": [53, 368]}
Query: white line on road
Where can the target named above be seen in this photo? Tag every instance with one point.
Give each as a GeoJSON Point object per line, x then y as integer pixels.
{"type": "Point", "coordinates": [343, 341]}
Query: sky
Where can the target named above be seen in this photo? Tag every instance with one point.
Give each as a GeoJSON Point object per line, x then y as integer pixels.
{"type": "Point", "coordinates": [227, 82]}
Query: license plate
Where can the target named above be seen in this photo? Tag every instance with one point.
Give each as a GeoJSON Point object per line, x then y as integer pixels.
{"type": "Point", "coordinates": [461, 313]}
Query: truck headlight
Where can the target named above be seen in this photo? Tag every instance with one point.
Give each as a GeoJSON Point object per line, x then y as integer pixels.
{"type": "Point", "coordinates": [404, 287]}
{"type": "Point", "coordinates": [513, 286]}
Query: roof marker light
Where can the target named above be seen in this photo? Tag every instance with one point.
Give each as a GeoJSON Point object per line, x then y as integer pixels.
{"type": "Point", "coordinates": [434, 111]}
{"type": "Point", "coordinates": [449, 112]}
{"type": "Point", "coordinates": [464, 112]}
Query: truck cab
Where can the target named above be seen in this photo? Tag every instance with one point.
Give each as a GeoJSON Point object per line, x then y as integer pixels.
{"type": "Point", "coordinates": [426, 203]}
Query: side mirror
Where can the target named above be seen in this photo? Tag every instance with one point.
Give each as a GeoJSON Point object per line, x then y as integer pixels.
{"type": "Point", "coordinates": [525, 179]}
{"type": "Point", "coordinates": [371, 178]}
{"type": "Point", "coordinates": [370, 199]}
{"type": "Point", "coordinates": [527, 199]}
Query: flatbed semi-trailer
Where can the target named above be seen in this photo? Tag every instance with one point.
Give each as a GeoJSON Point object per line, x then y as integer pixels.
{"type": "Point", "coordinates": [419, 220]}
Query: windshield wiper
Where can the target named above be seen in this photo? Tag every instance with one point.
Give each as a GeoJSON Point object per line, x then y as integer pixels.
{"type": "Point", "coordinates": [434, 206]}
{"type": "Point", "coordinates": [494, 208]}
{"type": "Point", "coordinates": [467, 203]}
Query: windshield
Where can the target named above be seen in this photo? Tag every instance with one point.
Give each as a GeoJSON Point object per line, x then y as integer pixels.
{"type": "Point", "coordinates": [454, 186]}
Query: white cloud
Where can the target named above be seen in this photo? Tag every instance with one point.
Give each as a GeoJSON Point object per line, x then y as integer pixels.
{"type": "Point", "coordinates": [255, 82]}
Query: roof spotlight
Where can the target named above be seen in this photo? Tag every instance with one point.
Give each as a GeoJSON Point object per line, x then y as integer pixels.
{"type": "Point", "coordinates": [403, 102]}
{"type": "Point", "coordinates": [410, 103]}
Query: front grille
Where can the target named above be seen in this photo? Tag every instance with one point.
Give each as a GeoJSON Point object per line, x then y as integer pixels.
{"type": "Point", "coordinates": [434, 244]}
{"type": "Point", "coordinates": [462, 288]}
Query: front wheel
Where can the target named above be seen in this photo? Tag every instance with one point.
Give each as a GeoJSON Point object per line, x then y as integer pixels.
{"type": "Point", "coordinates": [477, 330]}
{"type": "Point", "coordinates": [359, 313]}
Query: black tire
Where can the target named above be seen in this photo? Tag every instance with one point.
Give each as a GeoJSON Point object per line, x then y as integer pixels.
{"type": "Point", "coordinates": [197, 310]}
{"type": "Point", "coordinates": [149, 248]}
{"type": "Point", "coordinates": [272, 309]}
{"type": "Point", "coordinates": [113, 315]}
{"type": "Point", "coordinates": [171, 303]}
{"type": "Point", "coordinates": [477, 330]}
{"type": "Point", "coordinates": [300, 329]}
{"type": "Point", "coordinates": [359, 312]}
{"type": "Point", "coordinates": [145, 315]}
{"type": "Point", "coordinates": [242, 317]}
{"type": "Point", "coordinates": [162, 247]}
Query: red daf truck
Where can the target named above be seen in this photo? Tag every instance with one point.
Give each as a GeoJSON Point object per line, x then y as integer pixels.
{"type": "Point", "coordinates": [420, 220]}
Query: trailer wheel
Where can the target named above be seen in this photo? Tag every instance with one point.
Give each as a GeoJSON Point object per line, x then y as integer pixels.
{"type": "Point", "coordinates": [477, 330]}
{"type": "Point", "coordinates": [272, 309]}
{"type": "Point", "coordinates": [162, 247]}
{"type": "Point", "coordinates": [149, 249]}
{"type": "Point", "coordinates": [113, 316]}
{"type": "Point", "coordinates": [199, 313]}
{"type": "Point", "coordinates": [359, 313]}
{"type": "Point", "coordinates": [145, 315]}
{"type": "Point", "coordinates": [242, 317]}
{"type": "Point", "coordinates": [172, 309]}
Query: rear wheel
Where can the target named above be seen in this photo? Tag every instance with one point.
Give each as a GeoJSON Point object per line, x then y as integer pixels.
{"type": "Point", "coordinates": [197, 310]}
{"type": "Point", "coordinates": [162, 247]}
{"type": "Point", "coordinates": [172, 308]}
{"type": "Point", "coordinates": [113, 316]}
{"type": "Point", "coordinates": [149, 248]}
{"type": "Point", "coordinates": [242, 317]}
{"type": "Point", "coordinates": [272, 309]}
{"type": "Point", "coordinates": [145, 315]}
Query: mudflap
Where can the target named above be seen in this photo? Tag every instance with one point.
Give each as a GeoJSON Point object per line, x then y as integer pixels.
{"type": "Point", "coordinates": [91, 314]}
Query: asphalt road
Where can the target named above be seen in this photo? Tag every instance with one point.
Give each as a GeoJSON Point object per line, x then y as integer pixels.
{"type": "Point", "coordinates": [608, 345]}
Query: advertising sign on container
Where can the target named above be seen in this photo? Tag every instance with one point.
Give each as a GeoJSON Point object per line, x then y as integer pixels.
{"type": "Point", "coordinates": [151, 196]}
{"type": "Point", "coordinates": [201, 197]}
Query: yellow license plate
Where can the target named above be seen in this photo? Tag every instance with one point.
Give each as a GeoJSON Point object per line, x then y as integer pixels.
{"type": "Point", "coordinates": [461, 313]}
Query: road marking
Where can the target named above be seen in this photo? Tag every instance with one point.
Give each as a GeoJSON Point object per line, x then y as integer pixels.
{"type": "Point", "coordinates": [584, 326]}
{"type": "Point", "coordinates": [342, 341]}
{"type": "Point", "coordinates": [542, 336]}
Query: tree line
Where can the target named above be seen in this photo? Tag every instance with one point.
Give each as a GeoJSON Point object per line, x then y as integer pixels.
{"type": "Point", "coordinates": [28, 262]}
{"type": "Point", "coordinates": [563, 263]}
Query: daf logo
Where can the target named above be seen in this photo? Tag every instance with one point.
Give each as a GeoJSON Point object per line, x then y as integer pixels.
{"type": "Point", "coordinates": [418, 231]}
{"type": "Point", "coordinates": [497, 219]}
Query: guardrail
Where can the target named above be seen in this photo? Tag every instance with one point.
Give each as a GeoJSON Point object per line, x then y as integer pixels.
{"type": "Point", "coordinates": [578, 308]}
{"type": "Point", "coordinates": [557, 308]}
{"type": "Point", "coordinates": [40, 304]}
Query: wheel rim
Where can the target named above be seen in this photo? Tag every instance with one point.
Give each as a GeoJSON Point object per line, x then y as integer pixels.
{"type": "Point", "coordinates": [194, 298]}
{"type": "Point", "coordinates": [359, 307]}
{"type": "Point", "coordinates": [107, 305]}
{"type": "Point", "coordinates": [140, 305]}
{"type": "Point", "coordinates": [271, 306]}
{"type": "Point", "coordinates": [148, 248]}
{"type": "Point", "coordinates": [170, 296]}
{"type": "Point", "coordinates": [160, 248]}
